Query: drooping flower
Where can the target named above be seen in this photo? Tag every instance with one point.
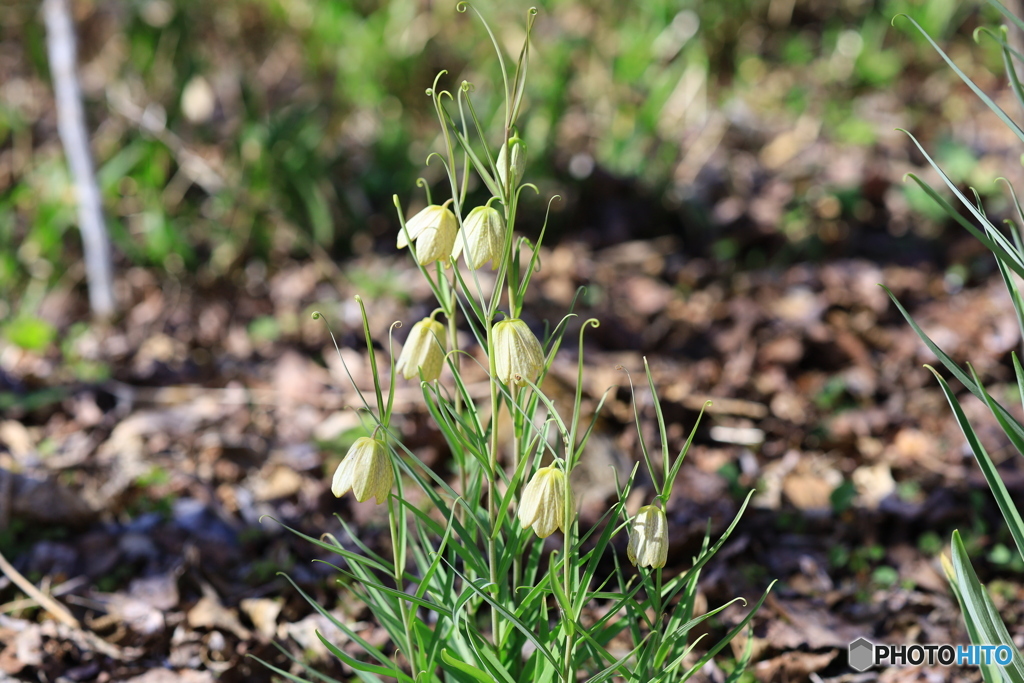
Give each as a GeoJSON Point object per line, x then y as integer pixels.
{"type": "Point", "coordinates": [423, 353]}
{"type": "Point", "coordinates": [482, 237]}
{"type": "Point", "coordinates": [648, 542]}
{"type": "Point", "coordinates": [516, 163]}
{"type": "Point", "coordinates": [543, 502]}
{"type": "Point", "coordinates": [365, 470]}
{"type": "Point", "coordinates": [518, 356]}
{"type": "Point", "coordinates": [433, 230]}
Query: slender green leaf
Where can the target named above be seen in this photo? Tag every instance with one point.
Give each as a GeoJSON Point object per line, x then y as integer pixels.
{"type": "Point", "coordinates": [729, 636]}
{"type": "Point", "coordinates": [364, 666]}
{"type": "Point", "coordinates": [988, 468]}
{"type": "Point", "coordinates": [980, 611]}
{"type": "Point", "coordinates": [462, 667]}
{"type": "Point", "coordinates": [970, 84]}
{"type": "Point", "coordinates": [953, 367]}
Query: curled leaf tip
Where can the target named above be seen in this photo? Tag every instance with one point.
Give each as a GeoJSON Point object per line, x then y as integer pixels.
{"type": "Point", "coordinates": [901, 14]}
{"type": "Point", "coordinates": [461, 7]}
{"type": "Point", "coordinates": [316, 315]}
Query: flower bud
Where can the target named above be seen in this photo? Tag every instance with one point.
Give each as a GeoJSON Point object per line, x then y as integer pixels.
{"type": "Point", "coordinates": [517, 353]}
{"type": "Point", "coordinates": [648, 543]}
{"type": "Point", "coordinates": [433, 230]}
{"type": "Point", "coordinates": [516, 165]}
{"type": "Point", "coordinates": [423, 353]}
{"type": "Point", "coordinates": [366, 470]}
{"type": "Point", "coordinates": [543, 502]}
{"type": "Point", "coordinates": [482, 236]}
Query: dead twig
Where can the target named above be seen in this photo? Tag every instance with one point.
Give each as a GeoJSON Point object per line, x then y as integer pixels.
{"type": "Point", "coordinates": [59, 611]}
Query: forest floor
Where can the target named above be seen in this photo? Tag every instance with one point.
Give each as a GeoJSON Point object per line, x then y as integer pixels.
{"type": "Point", "coordinates": [139, 501]}
{"type": "Point", "coordinates": [151, 503]}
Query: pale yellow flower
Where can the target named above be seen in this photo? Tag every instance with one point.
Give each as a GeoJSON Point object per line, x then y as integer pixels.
{"type": "Point", "coordinates": [543, 502]}
{"type": "Point", "coordinates": [423, 351]}
{"type": "Point", "coordinates": [433, 230]}
{"type": "Point", "coordinates": [518, 355]}
{"type": "Point", "coordinates": [517, 164]}
{"type": "Point", "coordinates": [482, 236]}
{"type": "Point", "coordinates": [648, 542]}
{"type": "Point", "coordinates": [366, 471]}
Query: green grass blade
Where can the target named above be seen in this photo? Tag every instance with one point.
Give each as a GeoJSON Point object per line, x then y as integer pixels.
{"type": "Point", "coordinates": [730, 635]}
{"type": "Point", "coordinates": [988, 468]}
{"type": "Point", "coordinates": [370, 649]}
{"type": "Point", "coordinates": [1015, 297]}
{"type": "Point", "coordinates": [970, 84]}
{"type": "Point", "coordinates": [1001, 253]}
{"type": "Point", "coordinates": [1018, 370]}
{"type": "Point", "coordinates": [665, 465]}
{"type": "Point", "coordinates": [290, 676]}
{"type": "Point", "coordinates": [392, 671]}
{"type": "Point", "coordinates": [1007, 250]}
{"type": "Point", "coordinates": [516, 621]}
{"type": "Point", "coordinates": [338, 550]}
{"type": "Point", "coordinates": [744, 660]}
{"type": "Point", "coordinates": [978, 609]}
{"type": "Point", "coordinates": [951, 365]}
{"type": "Point", "coordinates": [400, 595]}
{"type": "Point", "coordinates": [1007, 13]}
{"type": "Point", "coordinates": [463, 671]}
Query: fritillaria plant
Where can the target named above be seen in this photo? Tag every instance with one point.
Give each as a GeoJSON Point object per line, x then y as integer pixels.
{"type": "Point", "coordinates": [474, 588]}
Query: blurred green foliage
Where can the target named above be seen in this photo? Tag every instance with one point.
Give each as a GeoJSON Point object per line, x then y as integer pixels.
{"type": "Point", "coordinates": [267, 129]}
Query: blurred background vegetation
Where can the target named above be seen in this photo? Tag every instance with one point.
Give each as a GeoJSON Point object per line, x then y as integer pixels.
{"type": "Point", "coordinates": [233, 135]}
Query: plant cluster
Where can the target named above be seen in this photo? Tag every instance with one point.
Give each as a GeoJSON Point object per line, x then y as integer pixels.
{"type": "Point", "coordinates": [984, 624]}
{"type": "Point", "coordinates": [471, 591]}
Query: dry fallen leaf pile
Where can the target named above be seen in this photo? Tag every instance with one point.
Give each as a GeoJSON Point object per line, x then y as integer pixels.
{"type": "Point", "coordinates": [137, 502]}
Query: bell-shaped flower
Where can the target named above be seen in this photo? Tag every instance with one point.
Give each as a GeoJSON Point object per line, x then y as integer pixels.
{"type": "Point", "coordinates": [433, 230]}
{"type": "Point", "coordinates": [518, 356]}
{"type": "Point", "coordinates": [516, 162]}
{"type": "Point", "coordinates": [482, 237]}
{"type": "Point", "coordinates": [366, 471]}
{"type": "Point", "coordinates": [543, 502]}
{"type": "Point", "coordinates": [648, 541]}
{"type": "Point", "coordinates": [423, 353]}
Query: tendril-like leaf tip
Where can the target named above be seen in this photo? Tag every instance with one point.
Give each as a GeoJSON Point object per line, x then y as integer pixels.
{"type": "Point", "coordinates": [358, 298]}
{"type": "Point", "coordinates": [429, 92]}
{"type": "Point", "coordinates": [532, 11]}
{"type": "Point", "coordinates": [461, 7]}
{"type": "Point", "coordinates": [440, 73]}
{"type": "Point", "coordinates": [317, 315]}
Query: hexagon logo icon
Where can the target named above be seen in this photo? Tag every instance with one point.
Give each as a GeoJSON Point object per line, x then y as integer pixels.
{"type": "Point", "coordinates": [862, 654]}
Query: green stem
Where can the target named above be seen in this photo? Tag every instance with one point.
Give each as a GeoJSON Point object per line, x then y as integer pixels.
{"type": "Point", "coordinates": [516, 562]}
{"type": "Point", "coordinates": [570, 631]}
{"type": "Point", "coordinates": [492, 492]}
{"type": "Point", "coordinates": [398, 550]}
